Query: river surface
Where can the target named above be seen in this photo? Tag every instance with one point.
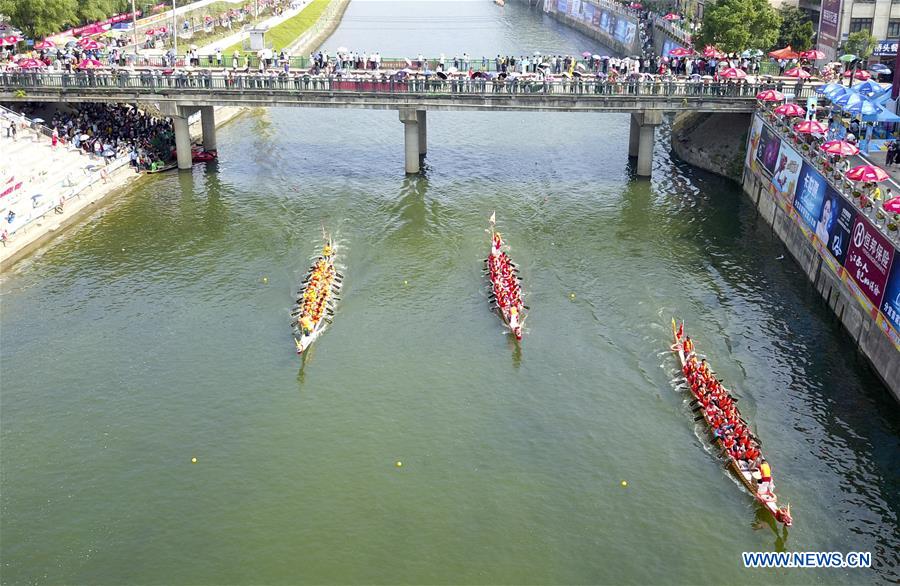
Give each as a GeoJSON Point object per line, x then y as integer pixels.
{"type": "Point", "coordinates": [158, 331]}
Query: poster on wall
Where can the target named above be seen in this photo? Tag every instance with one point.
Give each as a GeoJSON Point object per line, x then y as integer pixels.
{"type": "Point", "coordinates": [869, 259]}
{"type": "Point", "coordinates": [835, 224]}
{"type": "Point", "coordinates": [575, 7]}
{"type": "Point", "coordinates": [588, 13]}
{"type": "Point", "coordinates": [890, 306]}
{"type": "Point", "coordinates": [753, 142]}
{"type": "Point", "coordinates": [767, 151]}
{"type": "Point", "coordinates": [809, 195]}
{"type": "Point", "coordinates": [562, 6]}
{"type": "Point", "coordinates": [784, 179]}
{"type": "Point", "coordinates": [596, 18]}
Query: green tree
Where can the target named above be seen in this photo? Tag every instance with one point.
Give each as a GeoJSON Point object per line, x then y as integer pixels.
{"type": "Point", "coordinates": [796, 29]}
{"type": "Point", "coordinates": [861, 44]}
{"type": "Point", "coordinates": [736, 25]}
{"type": "Point", "coordinates": [39, 18]}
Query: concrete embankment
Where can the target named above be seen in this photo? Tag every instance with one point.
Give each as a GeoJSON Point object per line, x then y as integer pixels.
{"type": "Point", "coordinates": [606, 22]}
{"type": "Point", "coordinates": [81, 206]}
{"type": "Point", "coordinates": [712, 142]}
{"type": "Point", "coordinates": [847, 256]}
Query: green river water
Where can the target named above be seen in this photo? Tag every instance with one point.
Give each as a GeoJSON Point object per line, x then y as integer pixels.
{"type": "Point", "coordinates": [158, 331]}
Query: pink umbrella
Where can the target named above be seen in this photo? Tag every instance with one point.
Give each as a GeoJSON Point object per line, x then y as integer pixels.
{"type": "Point", "coordinates": [672, 16]}
{"type": "Point", "coordinates": [810, 127]}
{"type": "Point", "coordinates": [770, 96]}
{"type": "Point", "coordinates": [812, 55]}
{"type": "Point", "coordinates": [89, 64]}
{"type": "Point", "coordinates": [867, 173]}
{"type": "Point", "coordinates": [680, 52]}
{"type": "Point", "coordinates": [861, 75]}
{"type": "Point", "coordinates": [12, 40]}
{"type": "Point", "coordinates": [636, 5]}
{"type": "Point", "coordinates": [798, 72]}
{"type": "Point", "coordinates": [45, 44]}
{"type": "Point", "coordinates": [30, 63]}
{"type": "Point", "coordinates": [709, 52]}
{"type": "Point", "coordinates": [586, 54]}
{"type": "Point", "coordinates": [732, 73]}
{"type": "Point", "coordinates": [150, 32]}
{"type": "Point", "coordinates": [892, 205]}
{"type": "Point", "coordinates": [840, 147]}
{"type": "Point", "coordinates": [790, 110]}
{"type": "Point", "coordinates": [89, 44]}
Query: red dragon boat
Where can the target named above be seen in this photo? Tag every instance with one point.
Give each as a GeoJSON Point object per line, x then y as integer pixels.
{"type": "Point", "coordinates": [728, 429]}
{"type": "Point", "coordinates": [506, 290]}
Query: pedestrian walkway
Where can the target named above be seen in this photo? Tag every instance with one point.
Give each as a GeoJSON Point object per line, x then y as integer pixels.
{"type": "Point", "coordinates": [239, 36]}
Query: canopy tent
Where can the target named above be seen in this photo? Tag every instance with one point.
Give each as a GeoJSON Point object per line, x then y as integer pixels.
{"type": "Point", "coordinates": [786, 53]}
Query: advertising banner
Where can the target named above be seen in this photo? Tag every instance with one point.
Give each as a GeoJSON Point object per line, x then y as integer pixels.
{"type": "Point", "coordinates": [829, 27]}
{"type": "Point", "coordinates": [885, 48]}
{"type": "Point", "coordinates": [784, 180]}
{"type": "Point", "coordinates": [588, 13]}
{"type": "Point", "coordinates": [595, 20]}
{"type": "Point", "coordinates": [869, 259]}
{"type": "Point", "coordinates": [562, 6]}
{"type": "Point", "coordinates": [767, 151]}
{"type": "Point", "coordinates": [809, 195]}
{"type": "Point", "coordinates": [890, 306]}
{"type": "Point", "coordinates": [604, 20]}
{"type": "Point", "coordinates": [835, 224]}
{"type": "Point", "coordinates": [753, 142]}
{"type": "Point", "coordinates": [575, 7]}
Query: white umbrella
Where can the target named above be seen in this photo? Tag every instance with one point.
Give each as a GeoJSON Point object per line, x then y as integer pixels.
{"type": "Point", "coordinates": [343, 50]}
{"type": "Point", "coordinates": [85, 136]}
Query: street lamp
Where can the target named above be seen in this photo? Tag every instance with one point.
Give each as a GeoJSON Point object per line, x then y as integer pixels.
{"type": "Point", "coordinates": [134, 26]}
{"type": "Point", "coordinates": [175, 30]}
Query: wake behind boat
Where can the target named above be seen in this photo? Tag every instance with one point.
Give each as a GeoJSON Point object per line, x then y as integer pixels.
{"type": "Point", "coordinates": [314, 309]}
{"type": "Point", "coordinates": [730, 431]}
{"type": "Point", "coordinates": [506, 291]}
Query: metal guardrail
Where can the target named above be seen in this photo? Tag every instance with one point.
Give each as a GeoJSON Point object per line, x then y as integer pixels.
{"type": "Point", "coordinates": [154, 82]}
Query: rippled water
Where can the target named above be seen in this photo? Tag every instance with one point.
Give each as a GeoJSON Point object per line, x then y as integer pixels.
{"type": "Point", "coordinates": [148, 336]}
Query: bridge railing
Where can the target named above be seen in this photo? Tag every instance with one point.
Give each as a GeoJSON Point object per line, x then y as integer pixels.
{"type": "Point", "coordinates": [154, 82]}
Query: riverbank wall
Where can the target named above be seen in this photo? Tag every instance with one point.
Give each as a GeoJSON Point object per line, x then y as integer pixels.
{"type": "Point", "coordinates": [327, 23]}
{"type": "Point", "coordinates": [712, 142]}
{"type": "Point", "coordinates": [607, 22]}
{"type": "Point", "coordinates": [852, 257]}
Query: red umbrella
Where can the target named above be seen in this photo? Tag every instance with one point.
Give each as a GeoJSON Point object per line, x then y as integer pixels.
{"type": "Point", "coordinates": [810, 127]}
{"type": "Point", "coordinates": [840, 147]}
{"type": "Point", "coordinates": [709, 52]}
{"type": "Point", "coordinates": [892, 205]}
{"type": "Point", "coordinates": [812, 55]}
{"type": "Point", "coordinates": [30, 63]}
{"type": "Point", "coordinates": [89, 44]}
{"type": "Point", "coordinates": [867, 173]}
{"type": "Point", "coordinates": [770, 96]}
{"type": "Point", "coordinates": [798, 72]}
{"type": "Point", "coordinates": [150, 32]}
{"type": "Point", "coordinates": [45, 44]}
{"type": "Point", "coordinates": [790, 110]}
{"type": "Point", "coordinates": [861, 75]}
{"type": "Point", "coordinates": [11, 40]}
{"type": "Point", "coordinates": [89, 64]}
{"type": "Point", "coordinates": [732, 73]}
{"type": "Point", "coordinates": [680, 52]}
{"type": "Point", "coordinates": [672, 16]}
{"type": "Point", "coordinates": [786, 53]}
{"type": "Point", "coordinates": [636, 5]}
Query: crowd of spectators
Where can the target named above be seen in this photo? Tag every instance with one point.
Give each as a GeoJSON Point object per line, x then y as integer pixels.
{"type": "Point", "coordinates": [110, 130]}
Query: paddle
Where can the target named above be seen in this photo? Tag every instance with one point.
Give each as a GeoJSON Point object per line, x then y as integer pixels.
{"type": "Point", "coordinates": [698, 418]}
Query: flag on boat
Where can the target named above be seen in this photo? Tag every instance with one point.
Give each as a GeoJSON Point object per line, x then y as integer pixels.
{"type": "Point", "coordinates": [493, 219]}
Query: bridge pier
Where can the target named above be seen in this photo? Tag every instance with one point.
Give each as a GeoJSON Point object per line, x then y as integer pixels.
{"type": "Point", "coordinates": [182, 137]}
{"type": "Point", "coordinates": [634, 136]}
{"type": "Point", "coordinates": [650, 119]}
{"type": "Point", "coordinates": [422, 121]}
{"type": "Point", "coordinates": [412, 139]}
{"type": "Point", "coordinates": [208, 124]}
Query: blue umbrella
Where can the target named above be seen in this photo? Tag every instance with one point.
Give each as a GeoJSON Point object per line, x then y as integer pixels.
{"type": "Point", "coordinates": [882, 115]}
{"type": "Point", "coordinates": [869, 89]}
{"type": "Point", "coordinates": [846, 99]}
{"type": "Point", "coordinates": [862, 107]}
{"type": "Point", "coordinates": [828, 87]}
{"type": "Point", "coordinates": [837, 92]}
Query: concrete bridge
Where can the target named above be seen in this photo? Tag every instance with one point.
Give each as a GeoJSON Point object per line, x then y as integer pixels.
{"type": "Point", "coordinates": [182, 93]}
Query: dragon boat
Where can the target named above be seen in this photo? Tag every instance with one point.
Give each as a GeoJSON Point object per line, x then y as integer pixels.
{"type": "Point", "coordinates": [316, 301]}
{"type": "Point", "coordinates": [506, 290]}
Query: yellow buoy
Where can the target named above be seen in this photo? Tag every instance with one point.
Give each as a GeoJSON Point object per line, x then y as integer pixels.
{"type": "Point", "coordinates": [571, 296]}
{"type": "Point", "coordinates": [406, 282]}
{"type": "Point", "coordinates": [265, 279]}
{"type": "Point", "coordinates": [193, 460]}
{"type": "Point", "coordinates": [624, 484]}
{"type": "Point", "coordinates": [399, 464]}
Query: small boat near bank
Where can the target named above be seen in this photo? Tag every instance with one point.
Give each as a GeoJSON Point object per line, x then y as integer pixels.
{"type": "Point", "coordinates": [506, 289]}
{"type": "Point", "coordinates": [729, 430]}
{"type": "Point", "coordinates": [314, 308]}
